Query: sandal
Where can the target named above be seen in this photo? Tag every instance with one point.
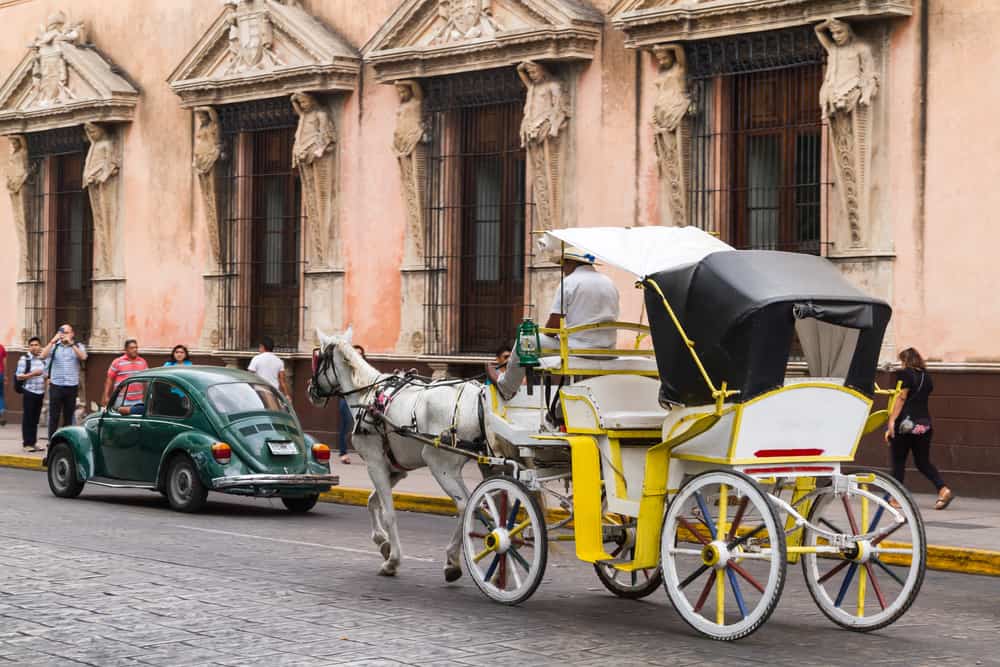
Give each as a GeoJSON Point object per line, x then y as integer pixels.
{"type": "Point", "coordinates": [944, 499]}
{"type": "Point", "coordinates": [345, 459]}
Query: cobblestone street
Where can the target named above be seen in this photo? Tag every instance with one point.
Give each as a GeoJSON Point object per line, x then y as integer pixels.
{"type": "Point", "coordinates": [116, 578]}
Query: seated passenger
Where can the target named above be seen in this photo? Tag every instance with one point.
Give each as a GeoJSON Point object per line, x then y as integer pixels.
{"type": "Point", "coordinates": [584, 297]}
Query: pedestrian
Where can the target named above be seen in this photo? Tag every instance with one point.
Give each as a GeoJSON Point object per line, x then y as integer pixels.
{"type": "Point", "coordinates": [179, 356]}
{"type": "Point", "coordinates": [65, 356]}
{"type": "Point", "coordinates": [3, 405]}
{"type": "Point", "coordinates": [910, 426]}
{"type": "Point", "coordinates": [269, 366]}
{"type": "Point", "coordinates": [345, 436]}
{"type": "Point", "coordinates": [30, 372]}
{"type": "Point", "coordinates": [121, 368]}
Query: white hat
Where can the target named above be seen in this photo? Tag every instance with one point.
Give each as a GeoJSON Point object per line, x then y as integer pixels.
{"type": "Point", "coordinates": [574, 254]}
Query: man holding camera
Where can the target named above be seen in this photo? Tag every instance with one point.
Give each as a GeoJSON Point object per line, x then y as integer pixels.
{"type": "Point", "coordinates": [65, 357]}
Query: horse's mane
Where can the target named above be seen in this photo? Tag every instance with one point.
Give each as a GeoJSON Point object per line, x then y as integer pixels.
{"type": "Point", "coordinates": [362, 373]}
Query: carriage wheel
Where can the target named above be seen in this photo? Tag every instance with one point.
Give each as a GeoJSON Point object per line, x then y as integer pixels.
{"type": "Point", "coordinates": [723, 555]}
{"type": "Point", "coordinates": [504, 541]}
{"type": "Point", "coordinates": [875, 581]}
{"type": "Point", "coordinates": [620, 543]}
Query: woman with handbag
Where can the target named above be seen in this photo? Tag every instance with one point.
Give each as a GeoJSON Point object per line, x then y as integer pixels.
{"type": "Point", "coordinates": [910, 425]}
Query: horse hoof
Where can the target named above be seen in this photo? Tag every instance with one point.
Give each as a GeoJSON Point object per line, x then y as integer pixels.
{"type": "Point", "coordinates": [385, 549]}
{"type": "Point", "coordinates": [452, 573]}
{"type": "Point", "coordinates": [387, 570]}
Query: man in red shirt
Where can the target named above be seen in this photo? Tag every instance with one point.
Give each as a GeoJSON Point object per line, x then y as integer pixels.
{"type": "Point", "coordinates": [120, 370]}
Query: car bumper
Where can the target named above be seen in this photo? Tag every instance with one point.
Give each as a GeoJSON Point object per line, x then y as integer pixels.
{"type": "Point", "coordinates": [319, 482]}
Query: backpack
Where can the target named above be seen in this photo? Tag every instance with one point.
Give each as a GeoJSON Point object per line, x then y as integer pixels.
{"type": "Point", "coordinates": [19, 384]}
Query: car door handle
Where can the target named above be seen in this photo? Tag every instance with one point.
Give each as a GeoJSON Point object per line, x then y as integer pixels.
{"type": "Point", "coordinates": [135, 425]}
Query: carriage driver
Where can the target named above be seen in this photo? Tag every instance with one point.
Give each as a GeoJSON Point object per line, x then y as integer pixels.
{"type": "Point", "coordinates": [584, 297]}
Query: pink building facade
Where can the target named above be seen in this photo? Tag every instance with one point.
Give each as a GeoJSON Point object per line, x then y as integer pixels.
{"type": "Point", "coordinates": [210, 173]}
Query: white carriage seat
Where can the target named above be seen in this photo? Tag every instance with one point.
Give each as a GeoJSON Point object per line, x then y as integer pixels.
{"type": "Point", "coordinates": [613, 402]}
{"type": "Point", "coordinates": [514, 421]}
{"type": "Point", "coordinates": [804, 380]}
{"type": "Point", "coordinates": [601, 363]}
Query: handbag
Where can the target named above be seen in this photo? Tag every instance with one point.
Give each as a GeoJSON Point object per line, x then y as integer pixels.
{"type": "Point", "coordinates": [915, 426]}
{"type": "Point", "coordinates": [19, 384]}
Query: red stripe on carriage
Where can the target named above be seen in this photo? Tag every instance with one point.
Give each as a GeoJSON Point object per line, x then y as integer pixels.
{"type": "Point", "coordinates": [773, 453]}
{"type": "Point", "coordinates": [788, 469]}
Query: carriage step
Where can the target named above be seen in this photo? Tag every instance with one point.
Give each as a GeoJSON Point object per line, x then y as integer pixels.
{"type": "Point", "coordinates": [615, 562]}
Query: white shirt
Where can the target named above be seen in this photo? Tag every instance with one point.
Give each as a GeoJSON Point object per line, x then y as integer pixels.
{"type": "Point", "coordinates": [588, 297]}
{"type": "Point", "coordinates": [267, 365]}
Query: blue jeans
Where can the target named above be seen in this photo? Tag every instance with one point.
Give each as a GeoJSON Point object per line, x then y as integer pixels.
{"type": "Point", "coordinates": [346, 425]}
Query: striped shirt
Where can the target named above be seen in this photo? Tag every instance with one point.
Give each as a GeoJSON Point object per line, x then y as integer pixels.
{"type": "Point", "coordinates": [64, 369]}
{"type": "Point", "coordinates": [27, 364]}
{"type": "Point", "coordinates": [121, 368]}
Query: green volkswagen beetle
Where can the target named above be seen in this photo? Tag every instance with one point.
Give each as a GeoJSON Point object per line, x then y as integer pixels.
{"type": "Point", "coordinates": [185, 431]}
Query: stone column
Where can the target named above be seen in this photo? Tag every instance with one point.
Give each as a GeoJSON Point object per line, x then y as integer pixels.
{"type": "Point", "coordinates": [545, 138]}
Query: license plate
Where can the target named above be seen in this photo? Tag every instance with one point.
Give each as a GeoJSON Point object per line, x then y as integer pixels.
{"type": "Point", "coordinates": [283, 448]}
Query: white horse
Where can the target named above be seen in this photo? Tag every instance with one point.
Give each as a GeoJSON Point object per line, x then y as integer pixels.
{"type": "Point", "coordinates": [387, 407]}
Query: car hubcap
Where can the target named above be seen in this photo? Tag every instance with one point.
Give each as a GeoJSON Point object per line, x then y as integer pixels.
{"type": "Point", "coordinates": [182, 484]}
{"type": "Point", "coordinates": [62, 472]}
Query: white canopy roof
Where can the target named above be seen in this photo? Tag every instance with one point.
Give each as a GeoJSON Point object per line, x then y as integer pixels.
{"type": "Point", "coordinates": [641, 251]}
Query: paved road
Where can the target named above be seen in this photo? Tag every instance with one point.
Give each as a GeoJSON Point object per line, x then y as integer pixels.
{"type": "Point", "coordinates": [115, 578]}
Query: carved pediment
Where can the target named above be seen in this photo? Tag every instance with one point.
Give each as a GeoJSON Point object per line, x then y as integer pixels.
{"type": "Point", "coordinates": [649, 22]}
{"type": "Point", "coordinates": [264, 48]}
{"type": "Point", "coordinates": [435, 37]}
{"type": "Point", "coordinates": [63, 81]}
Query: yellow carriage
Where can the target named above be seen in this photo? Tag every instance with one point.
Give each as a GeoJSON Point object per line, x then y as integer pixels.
{"type": "Point", "coordinates": [703, 462]}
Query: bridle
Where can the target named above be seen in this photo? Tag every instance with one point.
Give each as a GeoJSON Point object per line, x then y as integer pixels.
{"type": "Point", "coordinates": [324, 366]}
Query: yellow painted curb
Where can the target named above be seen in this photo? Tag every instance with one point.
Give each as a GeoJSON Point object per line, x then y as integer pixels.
{"type": "Point", "coordinates": [946, 559]}
{"type": "Point", "coordinates": [15, 461]}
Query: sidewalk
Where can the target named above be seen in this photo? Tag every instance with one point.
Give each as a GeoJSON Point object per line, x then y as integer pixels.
{"type": "Point", "coordinates": [969, 523]}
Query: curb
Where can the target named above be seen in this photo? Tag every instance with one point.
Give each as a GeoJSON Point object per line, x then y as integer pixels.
{"type": "Point", "coordinates": [942, 558]}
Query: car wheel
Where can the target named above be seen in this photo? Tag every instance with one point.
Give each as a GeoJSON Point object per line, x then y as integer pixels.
{"type": "Point", "coordinates": [63, 480]}
{"type": "Point", "coordinates": [185, 491]}
{"type": "Point", "coordinates": [301, 505]}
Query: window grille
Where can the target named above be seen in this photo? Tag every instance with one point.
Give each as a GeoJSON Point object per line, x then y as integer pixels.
{"type": "Point", "coordinates": [476, 211]}
{"type": "Point", "coordinates": [260, 226]}
{"type": "Point", "coordinates": [758, 158]}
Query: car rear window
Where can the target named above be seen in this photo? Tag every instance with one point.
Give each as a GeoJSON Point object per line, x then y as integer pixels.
{"type": "Point", "coordinates": [236, 397]}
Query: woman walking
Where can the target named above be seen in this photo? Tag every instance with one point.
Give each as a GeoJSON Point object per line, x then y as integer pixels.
{"type": "Point", "coordinates": [910, 425]}
{"type": "Point", "coordinates": [179, 356]}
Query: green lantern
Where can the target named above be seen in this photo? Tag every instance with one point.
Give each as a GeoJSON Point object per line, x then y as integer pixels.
{"type": "Point", "coordinates": [528, 344]}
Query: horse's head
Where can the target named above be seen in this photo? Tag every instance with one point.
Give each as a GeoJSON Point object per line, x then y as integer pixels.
{"type": "Point", "coordinates": [337, 368]}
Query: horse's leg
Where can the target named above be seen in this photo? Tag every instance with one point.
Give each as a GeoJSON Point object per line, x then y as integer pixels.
{"type": "Point", "coordinates": [382, 481]}
{"type": "Point", "coordinates": [447, 470]}
{"type": "Point", "coordinates": [366, 451]}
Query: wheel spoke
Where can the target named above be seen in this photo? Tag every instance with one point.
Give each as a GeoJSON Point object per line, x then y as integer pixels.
{"type": "Point", "coordinates": [704, 592]}
{"type": "Point", "coordinates": [520, 559]}
{"type": "Point", "coordinates": [720, 598]}
{"type": "Point", "coordinates": [513, 514]}
{"type": "Point", "coordinates": [481, 536]}
{"type": "Point", "coordinates": [723, 510]}
{"type": "Point", "coordinates": [832, 526]}
{"type": "Point", "coordinates": [746, 575]}
{"type": "Point", "coordinates": [847, 584]}
{"type": "Point", "coordinates": [513, 571]}
{"type": "Point", "coordinates": [743, 540]}
{"type": "Point", "coordinates": [738, 518]}
{"type": "Point", "coordinates": [691, 529]}
{"type": "Point", "coordinates": [888, 571]}
{"type": "Point", "coordinates": [485, 520]}
{"type": "Point", "coordinates": [704, 513]}
{"type": "Point", "coordinates": [737, 593]}
{"type": "Point", "coordinates": [502, 574]}
{"type": "Point", "coordinates": [892, 530]}
{"type": "Point", "coordinates": [875, 585]}
{"type": "Point", "coordinates": [694, 575]}
{"type": "Point", "coordinates": [491, 568]}
{"type": "Point", "coordinates": [850, 514]}
{"type": "Point", "coordinates": [633, 576]}
{"type": "Point", "coordinates": [833, 571]}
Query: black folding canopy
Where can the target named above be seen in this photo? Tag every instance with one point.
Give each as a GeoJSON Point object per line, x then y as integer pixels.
{"type": "Point", "coordinates": [740, 307]}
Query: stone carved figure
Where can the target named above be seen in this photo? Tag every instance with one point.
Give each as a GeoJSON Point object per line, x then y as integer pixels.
{"type": "Point", "coordinates": [208, 151]}
{"type": "Point", "coordinates": [100, 178]}
{"type": "Point", "coordinates": [49, 70]}
{"type": "Point", "coordinates": [313, 155]}
{"type": "Point", "coordinates": [673, 103]}
{"type": "Point", "coordinates": [546, 115]}
{"type": "Point", "coordinates": [408, 143]}
{"type": "Point", "coordinates": [251, 37]}
{"type": "Point", "coordinates": [18, 173]}
{"type": "Point", "coordinates": [849, 86]}
{"type": "Point", "coordinates": [465, 19]}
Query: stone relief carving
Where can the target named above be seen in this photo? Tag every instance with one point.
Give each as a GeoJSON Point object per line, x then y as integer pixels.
{"type": "Point", "coordinates": [849, 85]}
{"type": "Point", "coordinates": [251, 37]}
{"type": "Point", "coordinates": [546, 116]}
{"type": "Point", "coordinates": [408, 143]}
{"type": "Point", "coordinates": [50, 75]}
{"type": "Point", "coordinates": [313, 155]}
{"type": "Point", "coordinates": [100, 178]}
{"type": "Point", "coordinates": [465, 19]}
{"type": "Point", "coordinates": [207, 152]}
{"type": "Point", "coordinates": [673, 103]}
{"type": "Point", "coordinates": [18, 173]}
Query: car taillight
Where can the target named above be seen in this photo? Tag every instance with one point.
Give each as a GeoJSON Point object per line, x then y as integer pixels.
{"type": "Point", "coordinates": [222, 452]}
{"type": "Point", "coordinates": [321, 453]}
